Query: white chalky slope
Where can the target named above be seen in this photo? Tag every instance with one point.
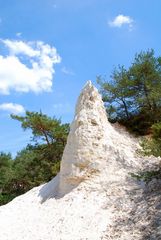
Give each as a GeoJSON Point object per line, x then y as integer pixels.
{"type": "Point", "coordinates": [91, 194]}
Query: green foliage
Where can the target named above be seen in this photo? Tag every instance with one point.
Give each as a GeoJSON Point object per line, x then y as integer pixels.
{"type": "Point", "coordinates": [132, 96]}
{"type": "Point", "coordinates": [31, 168]}
{"type": "Point", "coordinates": [35, 164]}
{"type": "Point", "coordinates": [5, 169]}
{"type": "Point", "coordinates": [5, 198]}
{"type": "Point", "coordinates": [147, 176]}
{"type": "Point", "coordinates": [39, 163]}
{"type": "Point", "coordinates": [117, 93]}
{"type": "Point", "coordinates": [46, 129]}
{"type": "Point", "coordinates": [146, 75]}
{"type": "Point", "coordinates": [152, 145]}
{"type": "Point", "coordinates": [156, 132]}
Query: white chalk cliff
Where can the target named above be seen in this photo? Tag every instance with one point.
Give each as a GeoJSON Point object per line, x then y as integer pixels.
{"type": "Point", "coordinates": [92, 143]}
{"type": "Point", "coordinates": [94, 196]}
{"type": "Point", "coordinates": [85, 152]}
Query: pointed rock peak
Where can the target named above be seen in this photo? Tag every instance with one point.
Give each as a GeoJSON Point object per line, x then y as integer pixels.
{"type": "Point", "coordinates": [88, 86]}
{"type": "Point", "coordinates": [88, 83]}
{"type": "Point", "coordinates": [84, 153]}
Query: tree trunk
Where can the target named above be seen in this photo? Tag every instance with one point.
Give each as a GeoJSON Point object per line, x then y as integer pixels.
{"type": "Point", "coordinates": [126, 109]}
{"type": "Point", "coordinates": [147, 96]}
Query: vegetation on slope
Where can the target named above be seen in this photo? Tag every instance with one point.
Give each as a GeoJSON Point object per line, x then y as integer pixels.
{"type": "Point", "coordinates": [37, 163]}
{"type": "Point", "coordinates": [132, 97]}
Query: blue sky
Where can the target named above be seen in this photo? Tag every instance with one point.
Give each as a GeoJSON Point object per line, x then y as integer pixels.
{"type": "Point", "coordinates": [50, 48]}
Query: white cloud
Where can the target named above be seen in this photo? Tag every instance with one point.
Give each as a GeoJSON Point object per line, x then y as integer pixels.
{"type": "Point", "coordinates": [29, 66]}
{"type": "Point", "coordinates": [12, 108]}
{"type": "Point", "coordinates": [121, 20]}
{"type": "Point", "coordinates": [67, 71]}
{"type": "Point", "coordinates": [20, 47]}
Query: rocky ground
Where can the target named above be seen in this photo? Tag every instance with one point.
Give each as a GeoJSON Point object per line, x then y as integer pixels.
{"type": "Point", "coordinates": [94, 196]}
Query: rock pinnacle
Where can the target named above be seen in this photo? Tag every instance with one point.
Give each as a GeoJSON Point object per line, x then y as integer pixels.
{"type": "Point", "coordinates": [84, 153]}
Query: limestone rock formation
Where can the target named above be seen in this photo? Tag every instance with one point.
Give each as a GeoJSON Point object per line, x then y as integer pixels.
{"type": "Point", "coordinates": [85, 152]}
{"type": "Point", "coordinates": [94, 196]}
{"type": "Point", "coordinates": [92, 143]}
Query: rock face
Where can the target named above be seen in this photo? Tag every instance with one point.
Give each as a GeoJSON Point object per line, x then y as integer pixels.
{"type": "Point", "coordinates": [93, 197]}
{"type": "Point", "coordinates": [85, 152]}
{"type": "Point", "coordinates": [92, 144]}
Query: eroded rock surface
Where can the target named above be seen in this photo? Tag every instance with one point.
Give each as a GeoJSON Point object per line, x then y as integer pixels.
{"type": "Point", "coordinates": [94, 196]}
{"type": "Point", "coordinates": [85, 152]}
{"type": "Point", "coordinates": [93, 145]}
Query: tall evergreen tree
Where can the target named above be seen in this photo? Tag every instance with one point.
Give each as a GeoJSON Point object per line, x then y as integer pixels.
{"type": "Point", "coordinates": [45, 129]}
{"type": "Point", "coordinates": [133, 96]}
{"type": "Point", "coordinates": [36, 163]}
{"type": "Point", "coordinates": [5, 169]}
{"type": "Point", "coordinates": [145, 75]}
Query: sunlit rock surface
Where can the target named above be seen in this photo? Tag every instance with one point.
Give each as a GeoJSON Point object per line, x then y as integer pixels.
{"type": "Point", "coordinates": [85, 152]}
{"type": "Point", "coordinates": [94, 196]}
